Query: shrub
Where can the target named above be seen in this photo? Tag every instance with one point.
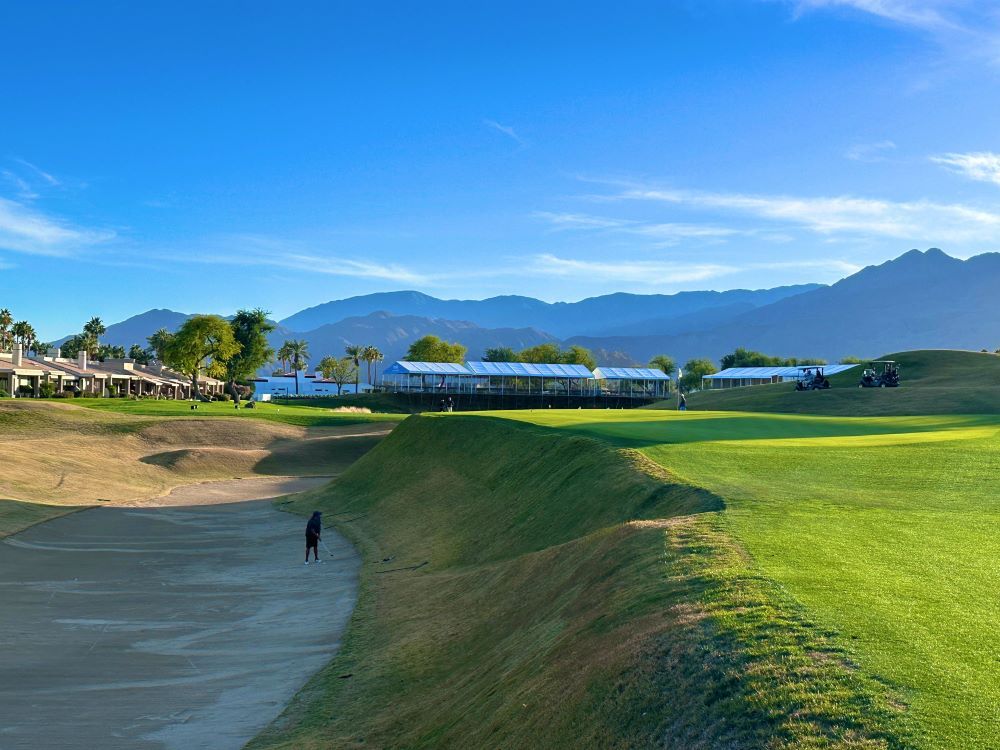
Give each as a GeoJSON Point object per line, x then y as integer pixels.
{"type": "Point", "coordinates": [224, 397]}
{"type": "Point", "coordinates": [47, 389]}
{"type": "Point", "coordinates": [25, 390]}
{"type": "Point", "coordinates": [4, 394]}
{"type": "Point", "coordinates": [63, 394]}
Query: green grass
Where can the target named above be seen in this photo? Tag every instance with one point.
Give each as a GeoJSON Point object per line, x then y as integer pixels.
{"type": "Point", "coordinates": [883, 529]}
{"type": "Point", "coordinates": [302, 416]}
{"type": "Point", "coordinates": [527, 587]}
{"type": "Point", "coordinates": [933, 382]}
{"type": "Point", "coordinates": [16, 516]}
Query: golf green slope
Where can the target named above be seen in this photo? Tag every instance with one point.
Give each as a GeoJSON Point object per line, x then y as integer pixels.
{"type": "Point", "coordinates": [934, 382]}
{"type": "Point", "coordinates": [530, 587]}
{"type": "Point", "coordinates": [883, 529]}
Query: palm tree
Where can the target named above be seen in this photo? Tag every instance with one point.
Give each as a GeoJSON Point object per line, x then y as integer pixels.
{"type": "Point", "coordinates": [23, 333]}
{"type": "Point", "coordinates": [284, 354]}
{"type": "Point", "coordinates": [354, 353]}
{"type": "Point", "coordinates": [371, 354]}
{"type": "Point", "coordinates": [6, 320]}
{"type": "Point", "coordinates": [93, 331]}
{"type": "Point", "coordinates": [298, 352]}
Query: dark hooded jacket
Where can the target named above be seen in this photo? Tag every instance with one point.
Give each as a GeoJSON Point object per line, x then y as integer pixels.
{"type": "Point", "coordinates": [315, 526]}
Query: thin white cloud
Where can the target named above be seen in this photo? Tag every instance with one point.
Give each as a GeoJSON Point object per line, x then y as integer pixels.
{"type": "Point", "coordinates": [982, 166]}
{"type": "Point", "coordinates": [926, 14]}
{"type": "Point", "coordinates": [507, 130]}
{"type": "Point", "coordinates": [39, 172]}
{"type": "Point", "coordinates": [24, 190]}
{"type": "Point", "coordinates": [26, 230]}
{"type": "Point", "coordinates": [629, 271]}
{"type": "Point", "coordinates": [919, 221]}
{"type": "Point", "coordinates": [296, 255]}
{"type": "Point", "coordinates": [829, 265]}
{"type": "Point", "coordinates": [666, 232]}
{"type": "Point", "coordinates": [869, 152]}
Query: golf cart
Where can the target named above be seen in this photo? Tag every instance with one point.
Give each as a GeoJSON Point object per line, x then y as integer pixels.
{"type": "Point", "coordinates": [810, 378]}
{"type": "Point", "coordinates": [880, 373]}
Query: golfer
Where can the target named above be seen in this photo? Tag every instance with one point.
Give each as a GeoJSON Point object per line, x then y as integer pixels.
{"type": "Point", "coordinates": [314, 530]}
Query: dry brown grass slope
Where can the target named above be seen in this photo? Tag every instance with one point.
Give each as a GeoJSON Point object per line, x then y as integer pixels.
{"type": "Point", "coordinates": [64, 456]}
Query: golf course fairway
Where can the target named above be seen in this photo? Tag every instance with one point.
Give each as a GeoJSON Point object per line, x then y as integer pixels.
{"type": "Point", "coordinates": [883, 529]}
{"type": "Point", "coordinates": [643, 578]}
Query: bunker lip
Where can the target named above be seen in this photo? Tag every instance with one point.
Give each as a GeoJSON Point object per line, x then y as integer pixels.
{"type": "Point", "coordinates": [229, 491]}
{"type": "Point", "coordinates": [171, 627]}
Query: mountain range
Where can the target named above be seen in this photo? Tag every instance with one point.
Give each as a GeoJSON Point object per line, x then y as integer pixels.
{"type": "Point", "coordinates": [918, 300]}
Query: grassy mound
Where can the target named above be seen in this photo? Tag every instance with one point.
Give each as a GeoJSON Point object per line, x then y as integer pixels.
{"type": "Point", "coordinates": [934, 382]}
{"type": "Point", "coordinates": [528, 588]}
{"type": "Point", "coordinates": [883, 528]}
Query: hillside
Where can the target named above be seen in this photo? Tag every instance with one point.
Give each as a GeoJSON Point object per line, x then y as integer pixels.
{"type": "Point", "coordinates": [658, 313]}
{"type": "Point", "coordinates": [920, 300]}
{"type": "Point", "coordinates": [528, 588]}
{"type": "Point", "coordinates": [933, 382]}
{"type": "Point", "coordinates": [393, 334]}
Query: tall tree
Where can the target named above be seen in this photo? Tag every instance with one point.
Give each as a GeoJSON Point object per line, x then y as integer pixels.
{"type": "Point", "coordinates": [284, 356]}
{"type": "Point", "coordinates": [578, 355]}
{"type": "Point", "coordinates": [694, 370]}
{"type": "Point", "coordinates": [372, 355]}
{"type": "Point", "coordinates": [663, 362]}
{"type": "Point", "coordinates": [6, 321]}
{"type": "Point", "coordinates": [341, 371]}
{"type": "Point", "coordinates": [298, 353]}
{"type": "Point", "coordinates": [353, 352]}
{"type": "Point", "coordinates": [204, 343]}
{"type": "Point", "coordinates": [41, 348]}
{"type": "Point", "coordinates": [500, 354]}
{"type": "Point", "coordinates": [433, 349]}
{"type": "Point", "coordinates": [159, 342]}
{"type": "Point", "coordinates": [140, 355]}
{"type": "Point", "coordinates": [24, 334]}
{"type": "Point", "coordinates": [250, 329]}
{"type": "Point", "coordinates": [93, 330]}
{"type": "Point", "coordinates": [110, 351]}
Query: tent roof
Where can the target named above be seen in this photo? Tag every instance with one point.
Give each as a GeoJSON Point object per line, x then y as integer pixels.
{"type": "Point", "coordinates": [630, 373]}
{"type": "Point", "coordinates": [530, 370]}
{"type": "Point", "coordinates": [769, 372]}
{"type": "Point", "coordinates": [425, 368]}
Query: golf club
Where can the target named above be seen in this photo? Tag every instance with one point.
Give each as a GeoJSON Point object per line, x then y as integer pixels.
{"type": "Point", "coordinates": [326, 548]}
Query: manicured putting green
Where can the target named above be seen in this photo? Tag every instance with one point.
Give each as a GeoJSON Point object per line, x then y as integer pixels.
{"type": "Point", "coordinates": [884, 528]}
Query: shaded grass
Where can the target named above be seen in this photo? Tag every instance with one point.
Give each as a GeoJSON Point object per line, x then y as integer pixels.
{"type": "Point", "coordinates": [886, 537]}
{"type": "Point", "coordinates": [17, 516]}
{"type": "Point", "coordinates": [573, 595]}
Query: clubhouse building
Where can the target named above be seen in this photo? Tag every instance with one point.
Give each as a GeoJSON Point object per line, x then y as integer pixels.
{"type": "Point", "coordinates": [22, 376]}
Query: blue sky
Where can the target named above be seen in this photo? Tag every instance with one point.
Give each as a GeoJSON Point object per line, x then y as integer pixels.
{"type": "Point", "coordinates": [210, 156]}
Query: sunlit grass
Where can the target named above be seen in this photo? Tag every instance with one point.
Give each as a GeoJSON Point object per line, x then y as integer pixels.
{"type": "Point", "coordinates": [884, 529]}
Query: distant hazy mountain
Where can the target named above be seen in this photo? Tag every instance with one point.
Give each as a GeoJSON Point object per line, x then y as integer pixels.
{"type": "Point", "coordinates": [608, 314]}
{"type": "Point", "coordinates": [138, 328]}
{"type": "Point", "coordinates": [921, 300]}
{"type": "Point", "coordinates": [393, 334]}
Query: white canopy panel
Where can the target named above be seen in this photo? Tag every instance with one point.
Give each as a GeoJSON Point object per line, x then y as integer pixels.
{"type": "Point", "coordinates": [629, 373]}
{"type": "Point", "coordinates": [530, 370]}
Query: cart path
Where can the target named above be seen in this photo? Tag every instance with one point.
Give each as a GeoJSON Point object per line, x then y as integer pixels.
{"type": "Point", "coordinates": [175, 627]}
